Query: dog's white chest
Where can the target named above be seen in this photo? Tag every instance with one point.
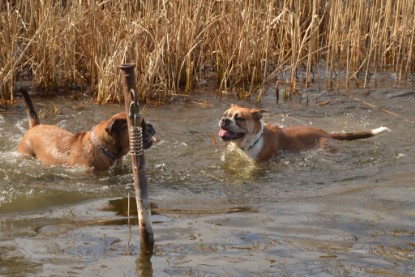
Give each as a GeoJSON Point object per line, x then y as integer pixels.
{"type": "Point", "coordinates": [253, 146]}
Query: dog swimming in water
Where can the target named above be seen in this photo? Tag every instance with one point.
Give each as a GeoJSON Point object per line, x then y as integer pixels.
{"type": "Point", "coordinates": [98, 149]}
{"type": "Point", "coordinates": [244, 129]}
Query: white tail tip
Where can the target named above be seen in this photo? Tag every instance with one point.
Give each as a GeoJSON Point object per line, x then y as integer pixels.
{"type": "Point", "coordinates": [380, 130]}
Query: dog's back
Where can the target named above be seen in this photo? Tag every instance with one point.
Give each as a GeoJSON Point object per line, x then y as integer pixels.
{"type": "Point", "coordinates": [30, 109]}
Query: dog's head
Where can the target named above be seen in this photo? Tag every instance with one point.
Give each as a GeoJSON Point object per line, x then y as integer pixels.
{"type": "Point", "coordinates": [116, 129]}
{"type": "Point", "coordinates": [239, 124]}
{"type": "Point", "coordinates": [117, 138]}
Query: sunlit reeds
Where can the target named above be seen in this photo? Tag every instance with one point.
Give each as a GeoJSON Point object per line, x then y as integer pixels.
{"type": "Point", "coordinates": [239, 45]}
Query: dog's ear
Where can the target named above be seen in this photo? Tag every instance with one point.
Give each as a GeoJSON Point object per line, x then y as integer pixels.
{"type": "Point", "coordinates": [116, 125]}
{"type": "Point", "coordinates": [257, 113]}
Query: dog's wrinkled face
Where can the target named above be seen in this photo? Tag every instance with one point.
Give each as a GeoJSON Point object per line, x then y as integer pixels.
{"type": "Point", "coordinates": [239, 123]}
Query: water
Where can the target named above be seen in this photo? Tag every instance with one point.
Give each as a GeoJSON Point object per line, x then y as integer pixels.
{"type": "Point", "coordinates": [344, 211]}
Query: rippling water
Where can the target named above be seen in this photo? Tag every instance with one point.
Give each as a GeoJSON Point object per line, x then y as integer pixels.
{"type": "Point", "coordinates": [344, 211]}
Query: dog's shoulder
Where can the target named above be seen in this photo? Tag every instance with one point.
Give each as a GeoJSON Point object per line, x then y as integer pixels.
{"type": "Point", "coordinates": [272, 128]}
{"type": "Point", "coordinates": [79, 137]}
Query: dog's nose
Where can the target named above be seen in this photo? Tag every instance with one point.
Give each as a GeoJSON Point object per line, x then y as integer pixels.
{"type": "Point", "coordinates": [226, 121]}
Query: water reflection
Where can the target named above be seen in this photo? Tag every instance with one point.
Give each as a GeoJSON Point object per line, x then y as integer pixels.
{"type": "Point", "coordinates": [143, 262]}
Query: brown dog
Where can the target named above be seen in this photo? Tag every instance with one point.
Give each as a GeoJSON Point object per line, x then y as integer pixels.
{"type": "Point", "coordinates": [243, 128]}
{"type": "Point", "coordinates": [98, 149]}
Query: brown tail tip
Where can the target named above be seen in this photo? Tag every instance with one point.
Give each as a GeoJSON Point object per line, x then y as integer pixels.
{"type": "Point", "coordinates": [30, 110]}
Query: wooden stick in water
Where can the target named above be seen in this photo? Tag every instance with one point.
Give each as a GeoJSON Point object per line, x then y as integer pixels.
{"type": "Point", "coordinates": [137, 159]}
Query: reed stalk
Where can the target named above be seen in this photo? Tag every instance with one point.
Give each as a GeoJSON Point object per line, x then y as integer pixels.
{"type": "Point", "coordinates": [244, 44]}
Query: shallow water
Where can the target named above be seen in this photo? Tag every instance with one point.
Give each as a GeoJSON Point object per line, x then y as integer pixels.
{"type": "Point", "coordinates": [344, 211]}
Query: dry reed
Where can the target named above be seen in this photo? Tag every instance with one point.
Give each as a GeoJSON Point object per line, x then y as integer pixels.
{"type": "Point", "coordinates": [244, 44]}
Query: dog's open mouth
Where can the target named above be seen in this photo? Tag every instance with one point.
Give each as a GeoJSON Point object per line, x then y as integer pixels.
{"type": "Point", "coordinates": [227, 135]}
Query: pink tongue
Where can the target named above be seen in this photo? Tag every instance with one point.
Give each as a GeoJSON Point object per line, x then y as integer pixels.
{"type": "Point", "coordinates": [222, 133]}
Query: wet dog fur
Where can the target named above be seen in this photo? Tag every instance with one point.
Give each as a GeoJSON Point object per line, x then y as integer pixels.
{"type": "Point", "coordinates": [244, 129]}
{"type": "Point", "coordinates": [98, 149]}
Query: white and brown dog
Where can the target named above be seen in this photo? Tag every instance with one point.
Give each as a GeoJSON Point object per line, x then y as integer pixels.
{"type": "Point", "coordinates": [243, 128]}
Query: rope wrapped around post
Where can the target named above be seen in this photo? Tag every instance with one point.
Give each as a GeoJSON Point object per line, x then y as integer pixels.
{"type": "Point", "coordinates": [132, 108]}
{"type": "Point", "coordinates": [136, 132]}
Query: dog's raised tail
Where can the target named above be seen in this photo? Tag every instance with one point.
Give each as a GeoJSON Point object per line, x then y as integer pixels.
{"type": "Point", "coordinates": [30, 109]}
{"type": "Point", "coordinates": [359, 135]}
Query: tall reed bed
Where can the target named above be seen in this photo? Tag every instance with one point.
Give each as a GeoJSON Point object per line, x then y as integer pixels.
{"type": "Point", "coordinates": [242, 44]}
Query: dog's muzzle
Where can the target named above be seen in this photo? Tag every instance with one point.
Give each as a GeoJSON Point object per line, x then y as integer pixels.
{"type": "Point", "coordinates": [225, 133]}
{"type": "Point", "coordinates": [148, 133]}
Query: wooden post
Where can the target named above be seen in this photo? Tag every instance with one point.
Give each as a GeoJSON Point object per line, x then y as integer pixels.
{"type": "Point", "coordinates": [137, 159]}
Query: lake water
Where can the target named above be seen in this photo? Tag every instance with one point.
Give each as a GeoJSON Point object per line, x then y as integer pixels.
{"type": "Point", "coordinates": [344, 211]}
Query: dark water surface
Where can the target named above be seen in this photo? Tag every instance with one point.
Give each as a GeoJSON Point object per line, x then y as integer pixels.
{"type": "Point", "coordinates": [344, 211]}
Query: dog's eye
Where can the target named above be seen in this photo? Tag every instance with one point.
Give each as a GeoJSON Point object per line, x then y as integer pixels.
{"type": "Point", "coordinates": [237, 118]}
